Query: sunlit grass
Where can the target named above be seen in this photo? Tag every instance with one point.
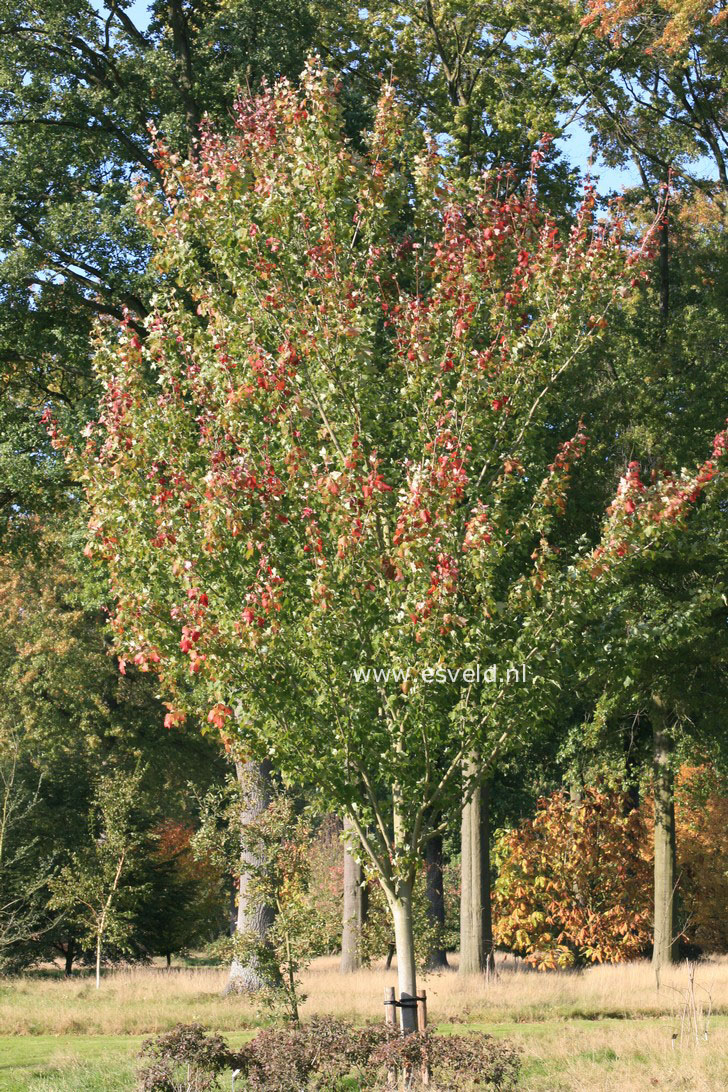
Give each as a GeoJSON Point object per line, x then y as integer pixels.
{"type": "Point", "coordinates": [598, 1030]}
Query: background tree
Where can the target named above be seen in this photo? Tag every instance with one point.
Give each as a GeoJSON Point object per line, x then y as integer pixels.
{"type": "Point", "coordinates": [573, 883]}
{"type": "Point", "coordinates": [23, 871]}
{"type": "Point", "coordinates": [184, 903]}
{"type": "Point", "coordinates": [653, 75]}
{"type": "Point", "coordinates": [477, 74]}
{"type": "Point", "coordinates": [92, 889]}
{"type": "Point", "coordinates": [69, 716]}
{"type": "Point", "coordinates": [355, 905]}
{"type": "Point", "coordinates": [660, 567]}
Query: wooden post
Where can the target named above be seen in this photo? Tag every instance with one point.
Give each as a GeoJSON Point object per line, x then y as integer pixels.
{"type": "Point", "coordinates": [390, 1017]}
{"type": "Point", "coordinates": [422, 1011]}
{"type": "Point", "coordinates": [421, 1027]}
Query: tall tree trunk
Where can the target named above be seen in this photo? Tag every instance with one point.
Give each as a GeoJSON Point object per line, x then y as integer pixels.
{"type": "Point", "coordinates": [183, 60]}
{"type": "Point", "coordinates": [488, 942]}
{"type": "Point", "coordinates": [253, 915]}
{"type": "Point", "coordinates": [664, 262]}
{"type": "Point", "coordinates": [401, 908]}
{"type": "Point", "coordinates": [663, 941]}
{"type": "Point", "coordinates": [233, 906]}
{"type": "Point", "coordinates": [354, 913]}
{"type": "Point", "coordinates": [98, 960]}
{"type": "Point", "coordinates": [435, 898]}
{"type": "Point", "coordinates": [70, 954]}
{"type": "Point", "coordinates": [399, 897]}
{"type": "Point", "coordinates": [476, 922]}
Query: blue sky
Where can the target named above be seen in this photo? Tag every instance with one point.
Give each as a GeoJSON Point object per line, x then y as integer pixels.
{"type": "Point", "coordinates": [577, 149]}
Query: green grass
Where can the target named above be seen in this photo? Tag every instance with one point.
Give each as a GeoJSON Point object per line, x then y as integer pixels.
{"type": "Point", "coordinates": [73, 1063]}
{"type": "Point", "coordinates": [601, 1031]}
{"type": "Point", "coordinates": [88, 1063]}
{"type": "Point", "coordinates": [558, 1056]}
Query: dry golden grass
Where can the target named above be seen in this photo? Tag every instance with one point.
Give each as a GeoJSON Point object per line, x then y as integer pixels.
{"type": "Point", "coordinates": [139, 1000]}
{"type": "Point", "coordinates": [129, 1002]}
{"type": "Point", "coordinates": [629, 1056]}
{"type": "Point", "coordinates": [599, 1030]}
{"type": "Point", "coordinates": [518, 992]}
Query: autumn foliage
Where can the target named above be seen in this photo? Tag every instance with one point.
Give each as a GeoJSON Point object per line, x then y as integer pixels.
{"type": "Point", "coordinates": [333, 446]}
{"type": "Point", "coordinates": [575, 881]}
{"type": "Point", "coordinates": [701, 810]}
{"type": "Point", "coordinates": [668, 25]}
{"type": "Point", "coordinates": [263, 451]}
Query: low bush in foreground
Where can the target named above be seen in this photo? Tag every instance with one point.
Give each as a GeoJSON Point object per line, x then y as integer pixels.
{"type": "Point", "coordinates": [326, 1056]}
{"type": "Point", "coordinates": [186, 1059]}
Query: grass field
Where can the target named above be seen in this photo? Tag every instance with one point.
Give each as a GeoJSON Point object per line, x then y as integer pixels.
{"type": "Point", "coordinates": [600, 1030]}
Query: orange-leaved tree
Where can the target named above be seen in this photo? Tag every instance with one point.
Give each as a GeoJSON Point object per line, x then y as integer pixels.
{"type": "Point", "coordinates": [574, 883]}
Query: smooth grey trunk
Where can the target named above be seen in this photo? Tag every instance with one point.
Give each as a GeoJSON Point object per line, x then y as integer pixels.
{"type": "Point", "coordinates": [354, 912]}
{"type": "Point", "coordinates": [233, 907]}
{"type": "Point", "coordinates": [398, 892]}
{"type": "Point", "coordinates": [476, 922]}
{"type": "Point", "coordinates": [401, 909]}
{"type": "Point", "coordinates": [434, 891]}
{"type": "Point", "coordinates": [663, 939]}
{"type": "Point", "coordinates": [254, 917]}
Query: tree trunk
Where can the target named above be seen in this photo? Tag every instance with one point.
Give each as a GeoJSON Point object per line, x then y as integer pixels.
{"type": "Point", "coordinates": [253, 916]}
{"type": "Point", "coordinates": [233, 906]}
{"type": "Point", "coordinates": [435, 898]}
{"type": "Point", "coordinates": [401, 908]}
{"type": "Point", "coordinates": [169, 959]}
{"type": "Point", "coordinates": [354, 913]}
{"type": "Point", "coordinates": [399, 897]}
{"type": "Point", "coordinates": [488, 942]}
{"type": "Point", "coordinates": [664, 262]}
{"type": "Point", "coordinates": [98, 960]}
{"type": "Point", "coordinates": [476, 922]}
{"type": "Point", "coordinates": [663, 941]}
{"type": "Point", "coordinates": [183, 60]}
{"type": "Point", "coordinates": [70, 954]}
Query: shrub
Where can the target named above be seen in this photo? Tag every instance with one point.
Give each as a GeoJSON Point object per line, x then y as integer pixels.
{"type": "Point", "coordinates": [312, 1055]}
{"type": "Point", "coordinates": [462, 1062]}
{"type": "Point", "coordinates": [324, 1055]}
{"type": "Point", "coordinates": [574, 883]}
{"type": "Point", "coordinates": [701, 815]}
{"type": "Point", "coordinates": [185, 1059]}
